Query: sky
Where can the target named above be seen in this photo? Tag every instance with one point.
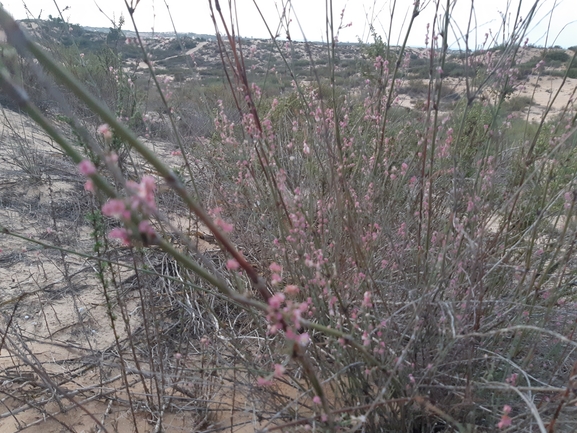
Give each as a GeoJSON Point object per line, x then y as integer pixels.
{"type": "Point", "coordinates": [308, 17]}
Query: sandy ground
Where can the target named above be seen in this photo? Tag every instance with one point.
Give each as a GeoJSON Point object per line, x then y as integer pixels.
{"type": "Point", "coordinates": [61, 341]}
{"type": "Point", "coordinates": [542, 90]}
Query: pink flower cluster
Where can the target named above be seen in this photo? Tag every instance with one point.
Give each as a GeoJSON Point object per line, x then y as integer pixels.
{"type": "Point", "coordinates": [105, 131]}
{"type": "Point", "coordinates": [87, 168]}
{"type": "Point", "coordinates": [506, 420]}
{"type": "Point", "coordinates": [280, 309]}
{"type": "Point", "coordinates": [142, 199]}
{"type": "Point", "coordinates": [276, 270]}
{"type": "Point", "coordinates": [222, 224]}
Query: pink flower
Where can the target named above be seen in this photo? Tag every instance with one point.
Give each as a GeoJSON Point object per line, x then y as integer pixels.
{"type": "Point", "coordinates": [86, 168]}
{"type": "Point", "coordinates": [512, 379]}
{"type": "Point", "coordinates": [275, 267]}
{"type": "Point", "coordinates": [276, 300]}
{"type": "Point", "coordinates": [111, 158]}
{"type": "Point", "coordinates": [224, 226]}
{"type": "Point", "coordinates": [304, 339]}
{"type": "Point", "coordinates": [317, 399]}
{"type": "Point", "coordinates": [275, 279]}
{"type": "Point", "coordinates": [279, 370]}
{"type": "Point", "coordinates": [121, 234]}
{"type": "Point", "coordinates": [291, 289]}
{"type": "Point", "coordinates": [232, 265]}
{"type": "Point", "coordinates": [115, 208]}
{"type": "Point", "coordinates": [506, 420]}
{"type": "Point", "coordinates": [105, 131]}
{"type": "Point", "coordinates": [144, 193]}
{"type": "Point", "coordinates": [145, 228]}
{"type": "Point", "coordinates": [89, 186]}
{"type": "Point", "coordinates": [261, 381]}
{"type": "Point", "coordinates": [367, 300]}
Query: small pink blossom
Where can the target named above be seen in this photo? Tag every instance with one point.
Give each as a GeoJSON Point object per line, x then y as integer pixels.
{"type": "Point", "coordinates": [304, 339]}
{"type": "Point", "coordinates": [261, 381]}
{"type": "Point", "coordinates": [275, 267]}
{"type": "Point", "coordinates": [317, 400]}
{"type": "Point", "coordinates": [506, 420]}
{"type": "Point", "coordinates": [121, 234]}
{"type": "Point", "coordinates": [89, 185]}
{"type": "Point", "coordinates": [512, 379]}
{"type": "Point", "coordinates": [275, 279]}
{"type": "Point", "coordinates": [86, 168]}
{"type": "Point", "coordinates": [291, 289]}
{"type": "Point", "coordinates": [306, 149]}
{"type": "Point", "coordinates": [276, 300]}
{"type": "Point", "coordinates": [115, 208]}
{"type": "Point", "coordinates": [145, 228]}
{"type": "Point", "coordinates": [144, 193]}
{"type": "Point", "coordinates": [367, 300]}
{"type": "Point", "coordinates": [279, 370]}
{"type": "Point", "coordinates": [224, 226]}
{"type": "Point", "coordinates": [105, 131]}
{"type": "Point", "coordinates": [232, 265]}
{"type": "Point", "coordinates": [111, 158]}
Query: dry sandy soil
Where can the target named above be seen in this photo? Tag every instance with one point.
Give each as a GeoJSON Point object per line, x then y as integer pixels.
{"type": "Point", "coordinates": [61, 351]}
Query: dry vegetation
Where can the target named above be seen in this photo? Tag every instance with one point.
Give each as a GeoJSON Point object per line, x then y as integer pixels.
{"type": "Point", "coordinates": [382, 249]}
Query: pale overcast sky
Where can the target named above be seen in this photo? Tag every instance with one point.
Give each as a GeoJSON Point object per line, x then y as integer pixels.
{"type": "Point", "coordinates": [193, 16]}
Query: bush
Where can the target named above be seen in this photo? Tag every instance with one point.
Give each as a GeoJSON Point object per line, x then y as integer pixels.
{"type": "Point", "coordinates": [517, 103]}
{"type": "Point", "coordinates": [328, 257]}
{"type": "Point", "coordinates": [556, 56]}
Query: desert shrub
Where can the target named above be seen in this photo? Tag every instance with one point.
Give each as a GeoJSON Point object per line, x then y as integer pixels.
{"type": "Point", "coordinates": [363, 265]}
{"type": "Point", "coordinates": [517, 103]}
{"type": "Point", "coordinates": [415, 87]}
{"type": "Point", "coordinates": [556, 56]}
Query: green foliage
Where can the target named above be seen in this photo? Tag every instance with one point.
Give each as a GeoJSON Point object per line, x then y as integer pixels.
{"type": "Point", "coordinates": [516, 103]}
{"type": "Point", "coordinates": [556, 56]}
{"type": "Point", "coordinates": [474, 138]}
{"type": "Point", "coordinates": [454, 69]}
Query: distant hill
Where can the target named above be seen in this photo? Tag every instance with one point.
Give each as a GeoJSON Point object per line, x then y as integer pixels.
{"type": "Point", "coordinates": [132, 34]}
